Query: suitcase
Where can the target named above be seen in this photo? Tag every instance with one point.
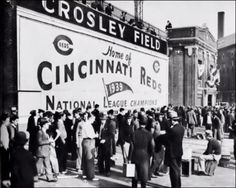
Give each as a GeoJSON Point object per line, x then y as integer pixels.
{"type": "Point", "coordinates": [224, 161]}
{"type": "Point", "coordinates": [129, 170]}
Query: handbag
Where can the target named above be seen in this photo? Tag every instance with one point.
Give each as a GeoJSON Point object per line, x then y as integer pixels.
{"type": "Point", "coordinates": [129, 170]}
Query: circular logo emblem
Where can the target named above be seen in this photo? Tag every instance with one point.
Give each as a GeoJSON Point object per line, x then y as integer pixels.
{"type": "Point", "coordinates": [156, 66]}
{"type": "Point", "coordinates": [63, 45]}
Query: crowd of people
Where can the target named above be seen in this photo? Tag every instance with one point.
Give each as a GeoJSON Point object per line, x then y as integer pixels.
{"type": "Point", "coordinates": [144, 135]}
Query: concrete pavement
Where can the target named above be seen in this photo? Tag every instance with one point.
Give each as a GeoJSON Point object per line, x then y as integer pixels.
{"type": "Point", "coordinates": [223, 177]}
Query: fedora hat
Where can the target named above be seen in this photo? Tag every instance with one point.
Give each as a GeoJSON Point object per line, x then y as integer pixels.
{"type": "Point", "coordinates": [164, 109]}
{"type": "Point", "coordinates": [66, 112]}
{"type": "Point", "coordinates": [171, 114]}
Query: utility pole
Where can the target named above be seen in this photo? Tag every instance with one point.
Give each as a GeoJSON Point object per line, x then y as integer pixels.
{"type": "Point", "coordinates": [138, 11]}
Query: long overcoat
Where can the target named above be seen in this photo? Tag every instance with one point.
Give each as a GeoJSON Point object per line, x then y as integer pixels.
{"type": "Point", "coordinates": [141, 151]}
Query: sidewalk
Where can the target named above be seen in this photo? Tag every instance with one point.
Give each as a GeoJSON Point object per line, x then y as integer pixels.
{"type": "Point", "coordinates": [224, 177]}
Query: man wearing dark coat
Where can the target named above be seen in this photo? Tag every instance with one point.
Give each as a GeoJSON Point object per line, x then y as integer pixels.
{"type": "Point", "coordinates": [32, 128]}
{"type": "Point", "coordinates": [120, 119]}
{"type": "Point", "coordinates": [23, 168]}
{"type": "Point", "coordinates": [106, 139]}
{"type": "Point", "coordinates": [142, 147]}
{"type": "Point", "coordinates": [68, 126]}
{"type": "Point", "coordinates": [97, 122]}
{"type": "Point", "coordinates": [173, 141]}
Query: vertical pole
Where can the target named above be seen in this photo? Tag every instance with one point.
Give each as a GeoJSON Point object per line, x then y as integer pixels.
{"type": "Point", "coordinates": [8, 55]}
{"type": "Point", "coordinates": [105, 89]}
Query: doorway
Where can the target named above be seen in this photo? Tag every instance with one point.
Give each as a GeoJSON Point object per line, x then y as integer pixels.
{"type": "Point", "coordinates": [209, 100]}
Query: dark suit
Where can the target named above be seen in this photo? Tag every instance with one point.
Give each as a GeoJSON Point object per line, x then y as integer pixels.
{"type": "Point", "coordinates": [106, 150]}
{"type": "Point", "coordinates": [23, 169]}
{"type": "Point", "coordinates": [142, 148]}
{"type": "Point", "coordinates": [97, 122]}
{"type": "Point", "coordinates": [32, 128]}
{"type": "Point", "coordinates": [173, 141]}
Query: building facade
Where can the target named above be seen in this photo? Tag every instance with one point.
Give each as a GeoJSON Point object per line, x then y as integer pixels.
{"type": "Point", "coordinates": [226, 61]}
{"type": "Point", "coordinates": [193, 71]}
{"type": "Point", "coordinates": [61, 55]}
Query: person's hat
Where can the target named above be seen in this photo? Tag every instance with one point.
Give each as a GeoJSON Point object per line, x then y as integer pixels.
{"type": "Point", "coordinates": [171, 114]}
{"type": "Point", "coordinates": [149, 113]}
{"type": "Point", "coordinates": [142, 109]}
{"type": "Point", "coordinates": [33, 112]}
{"type": "Point", "coordinates": [103, 116]}
{"type": "Point", "coordinates": [110, 112]}
{"type": "Point", "coordinates": [135, 111]}
{"type": "Point", "coordinates": [96, 106]}
{"type": "Point", "coordinates": [122, 109]}
{"type": "Point", "coordinates": [40, 111]}
{"type": "Point", "coordinates": [20, 138]}
{"type": "Point", "coordinates": [143, 120]}
{"type": "Point", "coordinates": [164, 109]}
{"type": "Point", "coordinates": [66, 112]}
{"type": "Point", "coordinates": [48, 114]}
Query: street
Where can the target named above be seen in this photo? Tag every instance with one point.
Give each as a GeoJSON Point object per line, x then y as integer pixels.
{"type": "Point", "coordinates": [223, 177]}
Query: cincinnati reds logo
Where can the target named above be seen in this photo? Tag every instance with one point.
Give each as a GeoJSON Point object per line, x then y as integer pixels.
{"type": "Point", "coordinates": [63, 45]}
{"type": "Point", "coordinates": [156, 66]}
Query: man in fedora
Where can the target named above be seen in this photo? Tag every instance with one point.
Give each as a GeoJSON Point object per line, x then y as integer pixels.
{"type": "Point", "coordinates": [173, 141]}
{"type": "Point", "coordinates": [104, 147]}
{"type": "Point", "coordinates": [23, 167]}
{"type": "Point", "coordinates": [107, 142]}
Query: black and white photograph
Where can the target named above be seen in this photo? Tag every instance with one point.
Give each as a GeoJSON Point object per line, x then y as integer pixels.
{"type": "Point", "coordinates": [117, 93]}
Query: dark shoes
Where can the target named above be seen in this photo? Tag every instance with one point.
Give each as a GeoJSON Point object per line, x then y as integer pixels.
{"type": "Point", "coordinates": [52, 179]}
{"type": "Point", "coordinates": [202, 173]}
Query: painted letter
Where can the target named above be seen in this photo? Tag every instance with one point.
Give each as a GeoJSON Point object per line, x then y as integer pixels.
{"type": "Point", "coordinates": [44, 4]}
{"type": "Point", "coordinates": [63, 10]}
{"type": "Point", "coordinates": [43, 65]}
{"type": "Point", "coordinates": [91, 17]}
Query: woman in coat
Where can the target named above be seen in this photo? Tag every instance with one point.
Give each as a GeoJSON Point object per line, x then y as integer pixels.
{"type": "Point", "coordinates": [141, 151]}
{"type": "Point", "coordinates": [32, 128]}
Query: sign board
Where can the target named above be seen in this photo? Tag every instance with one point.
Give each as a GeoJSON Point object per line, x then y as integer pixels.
{"type": "Point", "coordinates": [86, 17]}
{"type": "Point", "coordinates": [73, 70]}
{"type": "Point", "coordinates": [64, 67]}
